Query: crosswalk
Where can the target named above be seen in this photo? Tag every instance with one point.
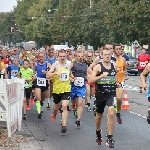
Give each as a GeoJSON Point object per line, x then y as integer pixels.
{"type": "Point", "coordinates": [131, 88]}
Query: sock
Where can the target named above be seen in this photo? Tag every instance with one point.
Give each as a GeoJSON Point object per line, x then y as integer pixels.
{"type": "Point", "coordinates": [109, 136]}
{"type": "Point", "coordinates": [98, 132]}
{"type": "Point", "coordinates": [41, 103]}
{"type": "Point", "coordinates": [38, 106]}
{"type": "Point", "coordinates": [48, 100]}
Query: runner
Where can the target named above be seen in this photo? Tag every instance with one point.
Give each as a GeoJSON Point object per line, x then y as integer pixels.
{"type": "Point", "coordinates": [143, 59]}
{"type": "Point", "coordinates": [51, 58]}
{"type": "Point", "coordinates": [144, 73]}
{"type": "Point", "coordinates": [78, 86]}
{"type": "Point", "coordinates": [104, 76]}
{"type": "Point", "coordinates": [88, 86]}
{"type": "Point", "coordinates": [27, 74]}
{"type": "Point", "coordinates": [60, 71]}
{"type": "Point", "coordinates": [121, 64]}
{"type": "Point", "coordinates": [41, 84]}
{"type": "Point", "coordinates": [13, 68]}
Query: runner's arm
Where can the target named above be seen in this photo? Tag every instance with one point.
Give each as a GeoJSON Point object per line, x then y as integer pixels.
{"type": "Point", "coordinates": [95, 62]}
{"type": "Point", "coordinates": [145, 72]}
{"type": "Point", "coordinates": [51, 73]}
{"type": "Point", "coordinates": [93, 78]}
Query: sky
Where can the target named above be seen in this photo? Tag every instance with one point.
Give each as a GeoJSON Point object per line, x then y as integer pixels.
{"type": "Point", "coordinates": [7, 5]}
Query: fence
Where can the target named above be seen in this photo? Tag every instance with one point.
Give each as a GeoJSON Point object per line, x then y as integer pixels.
{"type": "Point", "coordinates": [11, 102]}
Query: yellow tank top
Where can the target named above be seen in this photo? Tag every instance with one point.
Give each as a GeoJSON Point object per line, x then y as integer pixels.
{"type": "Point", "coordinates": [2, 65]}
{"type": "Point", "coordinates": [62, 84]}
{"type": "Point", "coordinates": [120, 74]}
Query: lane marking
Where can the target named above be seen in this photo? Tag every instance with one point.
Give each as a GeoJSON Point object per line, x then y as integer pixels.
{"type": "Point", "coordinates": [140, 115]}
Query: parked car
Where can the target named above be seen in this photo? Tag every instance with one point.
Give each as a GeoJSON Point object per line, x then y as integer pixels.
{"type": "Point", "coordinates": [130, 67]}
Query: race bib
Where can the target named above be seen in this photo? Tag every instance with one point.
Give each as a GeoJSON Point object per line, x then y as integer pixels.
{"type": "Point", "coordinates": [6, 65]}
{"type": "Point", "coordinates": [79, 81]}
{"type": "Point", "coordinates": [142, 64]}
{"type": "Point", "coordinates": [27, 83]}
{"type": "Point", "coordinates": [3, 71]}
{"type": "Point", "coordinates": [115, 102]}
{"type": "Point", "coordinates": [41, 81]}
{"type": "Point", "coordinates": [14, 73]}
{"type": "Point", "coordinates": [64, 76]}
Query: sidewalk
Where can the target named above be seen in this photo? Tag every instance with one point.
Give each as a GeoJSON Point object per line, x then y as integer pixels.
{"type": "Point", "coordinates": [21, 140]}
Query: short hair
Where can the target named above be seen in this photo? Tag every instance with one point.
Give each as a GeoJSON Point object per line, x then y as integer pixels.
{"type": "Point", "coordinates": [61, 51]}
{"type": "Point", "coordinates": [26, 60]}
{"type": "Point", "coordinates": [109, 43]}
{"type": "Point", "coordinates": [107, 49]}
{"type": "Point", "coordinates": [116, 44]}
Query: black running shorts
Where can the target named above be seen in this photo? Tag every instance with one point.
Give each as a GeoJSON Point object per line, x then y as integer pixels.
{"type": "Point", "coordinates": [62, 96]}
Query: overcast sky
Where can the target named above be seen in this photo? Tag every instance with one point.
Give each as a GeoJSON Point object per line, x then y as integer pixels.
{"type": "Point", "coordinates": [7, 5]}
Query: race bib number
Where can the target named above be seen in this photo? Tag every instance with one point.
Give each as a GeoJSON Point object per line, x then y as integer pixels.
{"type": "Point", "coordinates": [115, 102]}
{"type": "Point", "coordinates": [26, 83]}
{"type": "Point", "coordinates": [64, 76]}
{"type": "Point", "coordinates": [79, 81]}
{"type": "Point", "coordinates": [142, 64]}
{"type": "Point", "coordinates": [14, 73]}
{"type": "Point", "coordinates": [41, 81]}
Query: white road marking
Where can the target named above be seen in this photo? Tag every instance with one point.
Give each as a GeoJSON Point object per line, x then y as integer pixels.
{"type": "Point", "coordinates": [131, 88]}
{"type": "Point", "coordinates": [140, 115]}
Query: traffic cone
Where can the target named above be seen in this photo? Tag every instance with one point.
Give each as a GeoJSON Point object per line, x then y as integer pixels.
{"type": "Point", "coordinates": [125, 105]}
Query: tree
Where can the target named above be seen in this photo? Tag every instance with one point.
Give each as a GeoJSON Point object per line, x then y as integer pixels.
{"type": "Point", "coordinates": [129, 22]}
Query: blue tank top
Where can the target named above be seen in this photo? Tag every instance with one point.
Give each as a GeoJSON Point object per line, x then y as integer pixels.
{"type": "Point", "coordinates": [148, 93]}
{"type": "Point", "coordinates": [13, 71]}
{"type": "Point", "coordinates": [51, 61]}
{"type": "Point", "coordinates": [39, 69]}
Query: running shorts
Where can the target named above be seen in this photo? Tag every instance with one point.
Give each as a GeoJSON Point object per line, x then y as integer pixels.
{"type": "Point", "coordinates": [43, 88]}
{"type": "Point", "coordinates": [59, 97]}
{"type": "Point", "coordinates": [78, 92]}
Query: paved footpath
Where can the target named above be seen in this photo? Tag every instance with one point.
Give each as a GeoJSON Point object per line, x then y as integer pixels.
{"type": "Point", "coordinates": [133, 134]}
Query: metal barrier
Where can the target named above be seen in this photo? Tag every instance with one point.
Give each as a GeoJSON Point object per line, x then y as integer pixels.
{"type": "Point", "coordinates": [11, 102]}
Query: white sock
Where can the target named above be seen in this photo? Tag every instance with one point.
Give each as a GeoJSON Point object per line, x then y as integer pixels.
{"type": "Point", "coordinates": [48, 100]}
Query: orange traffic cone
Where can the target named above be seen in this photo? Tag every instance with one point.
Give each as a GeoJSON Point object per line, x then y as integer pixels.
{"type": "Point", "coordinates": [125, 105]}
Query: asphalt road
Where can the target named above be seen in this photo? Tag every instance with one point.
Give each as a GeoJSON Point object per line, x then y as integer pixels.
{"type": "Point", "coordinates": [133, 134]}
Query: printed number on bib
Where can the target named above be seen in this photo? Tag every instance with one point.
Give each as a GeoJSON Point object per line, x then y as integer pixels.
{"type": "Point", "coordinates": [14, 73]}
{"type": "Point", "coordinates": [79, 81]}
{"type": "Point", "coordinates": [64, 76]}
{"type": "Point", "coordinates": [142, 64]}
{"type": "Point", "coordinates": [26, 83]}
{"type": "Point", "coordinates": [115, 102]}
{"type": "Point", "coordinates": [41, 81]}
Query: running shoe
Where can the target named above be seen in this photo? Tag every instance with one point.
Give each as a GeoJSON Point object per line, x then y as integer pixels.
{"type": "Point", "coordinates": [63, 129]}
{"type": "Point", "coordinates": [99, 139]}
{"type": "Point", "coordinates": [119, 120]}
{"type": "Point", "coordinates": [110, 143]}
{"type": "Point", "coordinates": [25, 117]}
{"type": "Point", "coordinates": [89, 109]}
{"type": "Point", "coordinates": [78, 123]}
{"type": "Point", "coordinates": [48, 105]}
{"type": "Point", "coordinates": [28, 107]}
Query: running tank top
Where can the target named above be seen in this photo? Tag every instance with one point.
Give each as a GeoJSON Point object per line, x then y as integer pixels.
{"type": "Point", "coordinates": [120, 74]}
{"type": "Point", "coordinates": [62, 84]}
{"type": "Point", "coordinates": [108, 83]}
{"type": "Point", "coordinates": [39, 69]}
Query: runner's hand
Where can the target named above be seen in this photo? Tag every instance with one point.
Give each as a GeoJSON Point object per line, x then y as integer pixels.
{"type": "Point", "coordinates": [105, 74]}
{"type": "Point", "coordinates": [44, 71]}
{"type": "Point", "coordinates": [59, 74]}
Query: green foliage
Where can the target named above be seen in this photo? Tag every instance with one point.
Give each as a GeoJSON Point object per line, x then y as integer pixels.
{"type": "Point", "coordinates": [76, 22]}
